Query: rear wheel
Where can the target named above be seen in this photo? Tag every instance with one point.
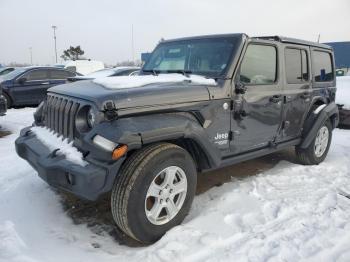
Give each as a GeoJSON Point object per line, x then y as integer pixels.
{"type": "Point", "coordinates": [154, 191]}
{"type": "Point", "coordinates": [317, 151]}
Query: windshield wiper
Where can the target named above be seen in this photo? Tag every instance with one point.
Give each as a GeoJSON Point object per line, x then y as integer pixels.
{"type": "Point", "coordinates": [153, 71]}
{"type": "Point", "coordinates": [183, 72]}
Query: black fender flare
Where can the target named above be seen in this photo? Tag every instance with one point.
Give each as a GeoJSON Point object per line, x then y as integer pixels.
{"type": "Point", "coordinates": [315, 121]}
{"type": "Point", "coordinates": [137, 131]}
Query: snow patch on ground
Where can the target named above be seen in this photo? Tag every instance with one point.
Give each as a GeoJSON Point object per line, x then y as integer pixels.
{"type": "Point", "coordinates": [53, 141]}
{"type": "Point", "coordinates": [343, 91]}
{"type": "Point", "coordinates": [288, 213]}
{"type": "Point", "coordinates": [142, 80]}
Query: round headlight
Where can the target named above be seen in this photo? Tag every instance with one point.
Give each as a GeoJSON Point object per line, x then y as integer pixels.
{"type": "Point", "coordinates": [91, 118]}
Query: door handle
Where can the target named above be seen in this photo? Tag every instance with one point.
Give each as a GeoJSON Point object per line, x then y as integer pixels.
{"type": "Point", "coordinates": [276, 98]}
{"type": "Point", "coordinates": [45, 83]}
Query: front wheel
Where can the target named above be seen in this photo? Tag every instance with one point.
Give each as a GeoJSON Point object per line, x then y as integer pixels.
{"type": "Point", "coordinates": [317, 151]}
{"type": "Point", "coordinates": [8, 100]}
{"type": "Point", "coordinates": [154, 191]}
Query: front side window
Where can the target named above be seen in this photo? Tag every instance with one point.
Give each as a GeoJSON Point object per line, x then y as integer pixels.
{"type": "Point", "coordinates": [259, 65]}
{"type": "Point", "coordinates": [322, 66]}
{"type": "Point", "coordinates": [296, 66]}
{"type": "Point", "coordinates": [37, 75]}
{"type": "Point", "coordinates": [209, 57]}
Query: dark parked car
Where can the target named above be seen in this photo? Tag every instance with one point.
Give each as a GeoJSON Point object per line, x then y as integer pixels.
{"type": "Point", "coordinates": [28, 85]}
{"type": "Point", "coordinates": [6, 70]}
{"type": "Point", "coordinates": [116, 71]}
{"type": "Point", "coordinates": [202, 103]}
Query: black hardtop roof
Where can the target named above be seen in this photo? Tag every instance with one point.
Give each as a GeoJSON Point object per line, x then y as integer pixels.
{"type": "Point", "coordinates": [290, 40]}
{"type": "Point", "coordinates": [281, 39]}
{"type": "Point", "coordinates": [205, 37]}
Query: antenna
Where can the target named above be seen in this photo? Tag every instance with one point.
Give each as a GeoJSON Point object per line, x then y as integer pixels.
{"type": "Point", "coordinates": [318, 38]}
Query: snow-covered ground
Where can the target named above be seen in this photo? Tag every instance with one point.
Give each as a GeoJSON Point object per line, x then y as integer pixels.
{"type": "Point", "coordinates": [288, 213]}
{"type": "Point", "coordinates": [343, 91]}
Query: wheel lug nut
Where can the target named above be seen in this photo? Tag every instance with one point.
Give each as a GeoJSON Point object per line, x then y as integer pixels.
{"type": "Point", "coordinates": [171, 191]}
{"type": "Point", "coordinates": [167, 200]}
{"type": "Point", "coordinates": [161, 201]}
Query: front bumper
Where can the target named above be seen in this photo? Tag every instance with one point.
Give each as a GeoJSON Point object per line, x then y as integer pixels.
{"type": "Point", "coordinates": [88, 182]}
{"type": "Point", "coordinates": [344, 117]}
{"type": "Point", "coordinates": [3, 105]}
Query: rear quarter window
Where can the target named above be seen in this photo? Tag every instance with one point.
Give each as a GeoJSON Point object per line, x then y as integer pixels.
{"type": "Point", "coordinates": [322, 66]}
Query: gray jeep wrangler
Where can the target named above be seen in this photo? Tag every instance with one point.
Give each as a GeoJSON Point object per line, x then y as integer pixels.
{"type": "Point", "coordinates": [199, 103]}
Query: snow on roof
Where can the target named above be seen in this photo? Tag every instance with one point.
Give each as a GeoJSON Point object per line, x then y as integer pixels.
{"type": "Point", "coordinates": [53, 141]}
{"type": "Point", "coordinates": [343, 91]}
{"type": "Point", "coordinates": [142, 80]}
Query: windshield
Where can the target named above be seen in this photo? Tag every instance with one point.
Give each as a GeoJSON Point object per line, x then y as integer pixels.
{"type": "Point", "coordinates": [13, 74]}
{"type": "Point", "coordinates": [209, 56]}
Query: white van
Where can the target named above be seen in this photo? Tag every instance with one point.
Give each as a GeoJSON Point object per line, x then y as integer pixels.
{"type": "Point", "coordinates": [84, 67]}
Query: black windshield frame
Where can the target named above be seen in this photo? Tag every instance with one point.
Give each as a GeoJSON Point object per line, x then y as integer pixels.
{"type": "Point", "coordinates": [229, 44]}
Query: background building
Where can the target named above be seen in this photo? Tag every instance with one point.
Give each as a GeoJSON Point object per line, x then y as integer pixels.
{"type": "Point", "coordinates": [342, 57]}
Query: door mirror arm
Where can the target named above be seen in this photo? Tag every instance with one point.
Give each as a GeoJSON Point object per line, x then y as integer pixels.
{"type": "Point", "coordinates": [22, 80]}
{"type": "Point", "coordinates": [240, 88]}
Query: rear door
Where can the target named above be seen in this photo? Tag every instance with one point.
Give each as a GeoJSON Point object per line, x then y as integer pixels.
{"type": "Point", "coordinates": [297, 89]}
{"type": "Point", "coordinates": [30, 92]}
{"type": "Point", "coordinates": [56, 77]}
{"type": "Point", "coordinates": [257, 114]}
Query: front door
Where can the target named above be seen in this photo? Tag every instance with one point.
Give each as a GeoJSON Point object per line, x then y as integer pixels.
{"type": "Point", "coordinates": [30, 92]}
{"type": "Point", "coordinates": [297, 89]}
{"type": "Point", "coordinates": [257, 114]}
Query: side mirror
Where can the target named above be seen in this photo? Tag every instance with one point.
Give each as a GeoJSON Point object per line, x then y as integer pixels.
{"type": "Point", "coordinates": [22, 80]}
{"type": "Point", "coordinates": [240, 88]}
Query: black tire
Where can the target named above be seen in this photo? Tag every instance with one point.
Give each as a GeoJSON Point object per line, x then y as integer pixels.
{"type": "Point", "coordinates": [8, 100]}
{"type": "Point", "coordinates": [308, 156]}
{"type": "Point", "coordinates": [135, 177]}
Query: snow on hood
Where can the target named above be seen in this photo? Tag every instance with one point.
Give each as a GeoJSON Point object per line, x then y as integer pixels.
{"type": "Point", "coordinates": [142, 80]}
{"type": "Point", "coordinates": [343, 91]}
{"type": "Point", "coordinates": [53, 141]}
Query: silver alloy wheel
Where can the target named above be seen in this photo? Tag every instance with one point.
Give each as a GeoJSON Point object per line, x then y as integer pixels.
{"type": "Point", "coordinates": [321, 141]}
{"type": "Point", "coordinates": [166, 195]}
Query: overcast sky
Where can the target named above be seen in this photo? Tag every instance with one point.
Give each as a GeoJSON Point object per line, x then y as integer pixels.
{"type": "Point", "coordinates": [103, 27]}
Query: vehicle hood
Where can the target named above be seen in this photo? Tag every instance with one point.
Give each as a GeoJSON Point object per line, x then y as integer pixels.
{"type": "Point", "coordinates": [131, 95]}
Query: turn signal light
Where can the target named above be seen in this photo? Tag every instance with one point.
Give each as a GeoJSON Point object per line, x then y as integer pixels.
{"type": "Point", "coordinates": [119, 152]}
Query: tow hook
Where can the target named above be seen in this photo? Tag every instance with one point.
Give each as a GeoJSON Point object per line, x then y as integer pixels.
{"type": "Point", "coordinates": [110, 110]}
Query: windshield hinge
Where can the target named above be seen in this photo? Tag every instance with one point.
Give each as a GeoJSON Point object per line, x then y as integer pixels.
{"type": "Point", "coordinates": [110, 110]}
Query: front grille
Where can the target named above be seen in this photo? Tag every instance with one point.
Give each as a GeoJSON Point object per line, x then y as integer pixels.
{"type": "Point", "coordinates": [60, 115]}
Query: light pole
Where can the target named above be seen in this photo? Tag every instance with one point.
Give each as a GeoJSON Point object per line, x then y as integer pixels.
{"type": "Point", "coordinates": [54, 37]}
{"type": "Point", "coordinates": [31, 55]}
{"type": "Point", "coordinates": [132, 42]}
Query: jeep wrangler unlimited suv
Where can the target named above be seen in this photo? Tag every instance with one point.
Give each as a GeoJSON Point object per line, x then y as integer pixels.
{"type": "Point", "coordinates": [200, 103]}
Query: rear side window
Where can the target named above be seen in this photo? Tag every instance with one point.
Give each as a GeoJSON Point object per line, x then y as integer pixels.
{"type": "Point", "coordinates": [41, 74]}
{"type": "Point", "coordinates": [322, 66]}
{"type": "Point", "coordinates": [259, 65]}
{"type": "Point", "coordinates": [296, 66]}
{"type": "Point", "coordinates": [60, 74]}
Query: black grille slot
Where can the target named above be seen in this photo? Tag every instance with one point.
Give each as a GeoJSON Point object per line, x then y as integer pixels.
{"type": "Point", "coordinates": [60, 115]}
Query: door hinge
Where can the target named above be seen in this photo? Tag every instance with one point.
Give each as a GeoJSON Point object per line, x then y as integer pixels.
{"type": "Point", "coordinates": [230, 136]}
